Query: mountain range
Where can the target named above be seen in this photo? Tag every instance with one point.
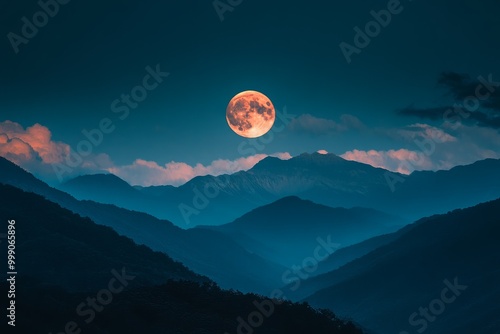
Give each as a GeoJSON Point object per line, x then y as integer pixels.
{"type": "Point", "coordinates": [77, 276]}
{"type": "Point", "coordinates": [379, 267]}
{"type": "Point", "coordinates": [322, 178]}
{"type": "Point", "coordinates": [288, 230]}
{"type": "Point", "coordinates": [206, 252]}
{"type": "Point", "coordinates": [389, 288]}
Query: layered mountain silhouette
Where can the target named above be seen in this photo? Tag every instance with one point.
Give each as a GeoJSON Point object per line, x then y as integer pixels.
{"type": "Point", "coordinates": [289, 230]}
{"type": "Point", "coordinates": [349, 253]}
{"type": "Point", "coordinates": [75, 275]}
{"type": "Point", "coordinates": [208, 253]}
{"type": "Point", "coordinates": [322, 178]}
{"type": "Point", "coordinates": [260, 225]}
{"type": "Point", "coordinates": [63, 249]}
{"type": "Point", "coordinates": [102, 188]}
{"type": "Point", "coordinates": [392, 288]}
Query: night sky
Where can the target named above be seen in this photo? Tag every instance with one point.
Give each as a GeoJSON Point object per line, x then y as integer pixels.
{"type": "Point", "coordinates": [394, 93]}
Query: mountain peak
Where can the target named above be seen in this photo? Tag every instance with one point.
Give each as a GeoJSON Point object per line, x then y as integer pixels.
{"type": "Point", "coordinates": [104, 185]}
{"type": "Point", "coordinates": [318, 157]}
{"type": "Point", "coordinates": [101, 178]}
{"type": "Point", "coordinates": [268, 162]}
{"type": "Point", "coordinates": [291, 200]}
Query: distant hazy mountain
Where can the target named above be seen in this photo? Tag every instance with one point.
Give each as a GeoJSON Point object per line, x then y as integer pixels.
{"type": "Point", "coordinates": [103, 188]}
{"type": "Point", "coordinates": [156, 190]}
{"type": "Point", "coordinates": [287, 231]}
{"type": "Point", "coordinates": [323, 178]}
{"type": "Point", "coordinates": [208, 253]}
{"type": "Point", "coordinates": [76, 276]}
{"type": "Point", "coordinates": [347, 254]}
{"type": "Point", "coordinates": [383, 289]}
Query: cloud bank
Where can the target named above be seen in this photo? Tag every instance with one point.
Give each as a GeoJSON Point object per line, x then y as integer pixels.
{"type": "Point", "coordinates": [34, 150]}
{"type": "Point", "coordinates": [477, 101]}
{"type": "Point", "coordinates": [150, 173]}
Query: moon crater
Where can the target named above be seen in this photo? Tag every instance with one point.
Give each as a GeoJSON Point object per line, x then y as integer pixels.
{"type": "Point", "coordinates": [250, 114]}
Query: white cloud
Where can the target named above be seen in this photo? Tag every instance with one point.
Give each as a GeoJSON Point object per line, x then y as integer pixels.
{"type": "Point", "coordinates": [430, 148]}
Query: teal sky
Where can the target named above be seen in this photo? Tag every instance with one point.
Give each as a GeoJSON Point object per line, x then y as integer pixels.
{"type": "Point", "coordinates": [87, 55]}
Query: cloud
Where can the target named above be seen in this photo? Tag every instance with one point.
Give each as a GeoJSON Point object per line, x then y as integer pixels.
{"type": "Point", "coordinates": [308, 123]}
{"type": "Point", "coordinates": [402, 161]}
{"type": "Point", "coordinates": [418, 131]}
{"type": "Point", "coordinates": [351, 122]}
{"type": "Point", "coordinates": [148, 173]}
{"type": "Point", "coordinates": [424, 148]}
{"type": "Point", "coordinates": [433, 149]}
{"type": "Point", "coordinates": [15, 149]}
{"type": "Point", "coordinates": [462, 87]}
{"type": "Point", "coordinates": [476, 101]}
{"type": "Point", "coordinates": [34, 150]}
{"type": "Point", "coordinates": [322, 152]}
{"type": "Point", "coordinates": [30, 143]}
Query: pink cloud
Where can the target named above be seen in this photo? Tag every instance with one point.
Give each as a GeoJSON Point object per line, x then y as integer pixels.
{"type": "Point", "coordinates": [148, 173]}
{"type": "Point", "coordinates": [19, 144]}
{"type": "Point", "coordinates": [34, 150]}
{"type": "Point", "coordinates": [15, 150]}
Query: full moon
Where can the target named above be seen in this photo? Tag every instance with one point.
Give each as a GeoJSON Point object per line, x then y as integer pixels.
{"type": "Point", "coordinates": [250, 114]}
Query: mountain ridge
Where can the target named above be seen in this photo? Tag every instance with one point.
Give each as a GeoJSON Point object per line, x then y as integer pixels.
{"type": "Point", "coordinates": [269, 230]}
{"type": "Point", "coordinates": [322, 178]}
{"type": "Point", "coordinates": [233, 271]}
{"type": "Point", "coordinates": [462, 244]}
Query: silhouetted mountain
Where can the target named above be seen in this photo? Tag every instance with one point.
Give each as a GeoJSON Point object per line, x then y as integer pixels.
{"type": "Point", "coordinates": [385, 289]}
{"type": "Point", "coordinates": [60, 248]}
{"type": "Point", "coordinates": [175, 307]}
{"type": "Point", "coordinates": [103, 188]}
{"type": "Point", "coordinates": [76, 276]}
{"type": "Point", "coordinates": [289, 230]}
{"type": "Point", "coordinates": [208, 253]}
{"type": "Point", "coordinates": [347, 254]}
{"type": "Point", "coordinates": [325, 179]}
{"type": "Point", "coordinates": [110, 189]}
{"type": "Point", "coordinates": [322, 178]}
{"type": "Point", "coordinates": [156, 190]}
{"type": "Point", "coordinates": [426, 193]}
